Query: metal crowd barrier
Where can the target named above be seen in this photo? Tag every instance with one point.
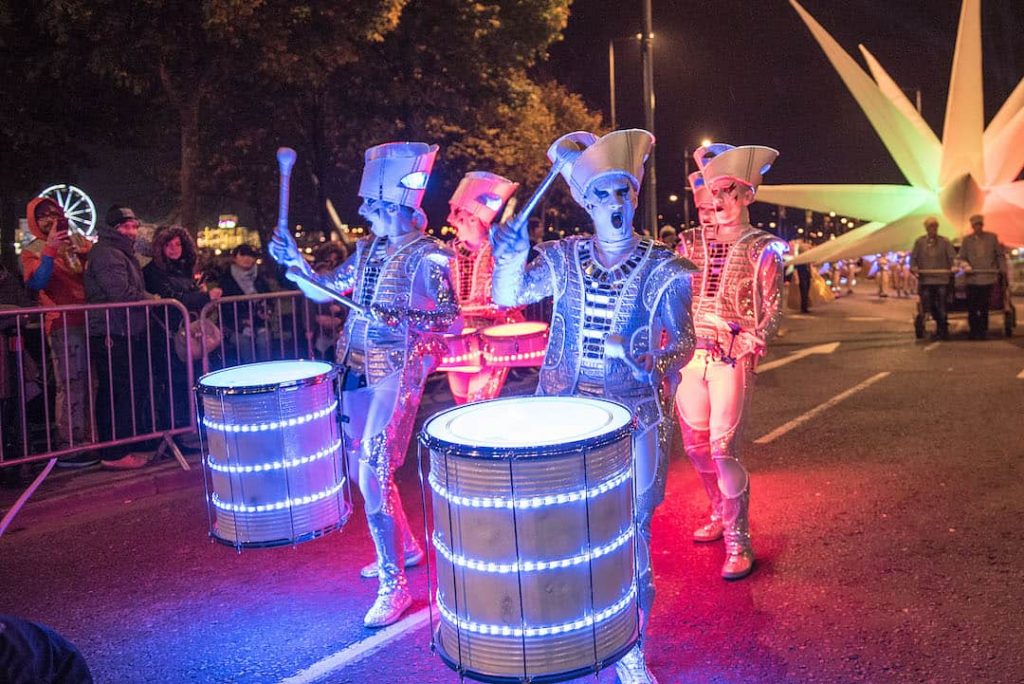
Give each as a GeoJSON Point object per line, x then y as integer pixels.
{"type": "Point", "coordinates": [62, 391]}
{"type": "Point", "coordinates": [265, 327]}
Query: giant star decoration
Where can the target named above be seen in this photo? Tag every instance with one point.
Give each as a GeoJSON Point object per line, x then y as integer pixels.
{"type": "Point", "coordinates": [970, 171]}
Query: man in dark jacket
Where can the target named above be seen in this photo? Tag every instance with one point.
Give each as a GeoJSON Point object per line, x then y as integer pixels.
{"type": "Point", "coordinates": [118, 338]}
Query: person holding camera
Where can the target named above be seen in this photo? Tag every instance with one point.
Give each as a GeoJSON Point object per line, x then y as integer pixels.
{"type": "Point", "coordinates": [52, 265]}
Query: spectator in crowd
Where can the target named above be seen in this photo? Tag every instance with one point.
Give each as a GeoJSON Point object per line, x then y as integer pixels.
{"type": "Point", "coordinates": [13, 295]}
{"type": "Point", "coordinates": [118, 339]}
{"type": "Point", "coordinates": [984, 264]}
{"type": "Point", "coordinates": [330, 254]}
{"type": "Point", "coordinates": [668, 235]}
{"type": "Point", "coordinates": [244, 324]}
{"type": "Point", "coordinates": [31, 653]}
{"type": "Point", "coordinates": [171, 275]}
{"type": "Point", "coordinates": [52, 266]}
{"type": "Point", "coordinates": [931, 262]}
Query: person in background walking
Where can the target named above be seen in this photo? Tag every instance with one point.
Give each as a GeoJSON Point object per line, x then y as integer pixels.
{"type": "Point", "coordinates": [984, 263]}
{"type": "Point", "coordinates": [931, 262]}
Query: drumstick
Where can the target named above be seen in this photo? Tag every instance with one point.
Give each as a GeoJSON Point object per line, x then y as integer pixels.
{"type": "Point", "coordinates": [615, 348]}
{"type": "Point", "coordinates": [295, 274]}
{"type": "Point", "coordinates": [285, 162]}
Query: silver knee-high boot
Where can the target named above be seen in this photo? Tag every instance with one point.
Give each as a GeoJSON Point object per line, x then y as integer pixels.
{"type": "Point", "coordinates": [393, 595]}
{"type": "Point", "coordinates": [739, 554]}
{"type": "Point", "coordinates": [412, 552]}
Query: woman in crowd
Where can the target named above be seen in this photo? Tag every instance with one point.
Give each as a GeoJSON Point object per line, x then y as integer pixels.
{"type": "Point", "coordinates": [171, 275]}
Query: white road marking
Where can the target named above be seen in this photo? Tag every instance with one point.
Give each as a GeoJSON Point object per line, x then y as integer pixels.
{"type": "Point", "coordinates": [800, 420]}
{"type": "Point", "coordinates": [933, 345]}
{"type": "Point", "coordinates": [864, 318]}
{"type": "Point", "coordinates": [359, 650]}
{"type": "Point", "coordinates": [797, 355]}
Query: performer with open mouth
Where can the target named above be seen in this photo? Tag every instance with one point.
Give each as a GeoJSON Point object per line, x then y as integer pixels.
{"type": "Point", "coordinates": [736, 309]}
{"type": "Point", "coordinates": [621, 319]}
{"type": "Point", "coordinates": [403, 298]}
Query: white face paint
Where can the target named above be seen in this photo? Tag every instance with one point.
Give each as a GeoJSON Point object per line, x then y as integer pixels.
{"type": "Point", "coordinates": [387, 219]}
{"type": "Point", "coordinates": [468, 227]}
{"type": "Point", "coordinates": [732, 198]}
{"type": "Point", "coordinates": [611, 202]}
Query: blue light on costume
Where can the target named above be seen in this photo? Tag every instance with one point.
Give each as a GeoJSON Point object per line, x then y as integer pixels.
{"type": "Point", "coordinates": [273, 465]}
{"type": "Point", "coordinates": [531, 566]}
{"type": "Point", "coordinates": [529, 502]}
{"type": "Point", "coordinates": [547, 630]}
{"type": "Point", "coordinates": [271, 425]}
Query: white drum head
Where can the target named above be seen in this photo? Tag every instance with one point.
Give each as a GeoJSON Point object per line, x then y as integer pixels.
{"type": "Point", "coordinates": [264, 376]}
{"type": "Point", "coordinates": [533, 424]}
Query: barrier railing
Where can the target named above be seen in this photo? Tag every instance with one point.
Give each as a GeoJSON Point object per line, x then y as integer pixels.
{"type": "Point", "coordinates": [64, 391]}
{"type": "Point", "coordinates": [264, 327]}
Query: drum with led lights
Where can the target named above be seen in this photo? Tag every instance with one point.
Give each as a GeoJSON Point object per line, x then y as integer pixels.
{"type": "Point", "coordinates": [274, 458]}
{"type": "Point", "coordinates": [463, 352]}
{"type": "Point", "coordinates": [534, 534]}
{"type": "Point", "coordinates": [515, 345]}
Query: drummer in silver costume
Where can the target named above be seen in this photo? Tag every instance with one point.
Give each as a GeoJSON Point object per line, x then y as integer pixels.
{"type": "Point", "coordinates": [402, 279]}
{"type": "Point", "coordinates": [474, 205]}
{"type": "Point", "coordinates": [736, 310]}
{"type": "Point", "coordinates": [621, 321]}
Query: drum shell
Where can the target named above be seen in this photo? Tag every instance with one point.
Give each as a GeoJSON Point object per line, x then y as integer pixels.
{"type": "Point", "coordinates": [514, 351]}
{"type": "Point", "coordinates": [550, 596]}
{"type": "Point", "coordinates": [464, 352]}
{"type": "Point", "coordinates": [240, 456]}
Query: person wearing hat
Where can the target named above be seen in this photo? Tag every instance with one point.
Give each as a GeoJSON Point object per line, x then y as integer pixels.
{"type": "Point", "coordinates": [118, 338]}
{"type": "Point", "coordinates": [52, 266]}
{"type": "Point", "coordinates": [402, 280]}
{"type": "Point", "coordinates": [737, 308]}
{"type": "Point", "coordinates": [474, 205]}
{"type": "Point", "coordinates": [621, 320]}
{"type": "Point", "coordinates": [984, 265]}
{"type": "Point", "coordinates": [933, 261]}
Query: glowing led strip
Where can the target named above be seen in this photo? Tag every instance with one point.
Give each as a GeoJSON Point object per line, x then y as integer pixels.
{"type": "Point", "coordinates": [272, 425]}
{"type": "Point", "coordinates": [531, 566]}
{"type": "Point", "coordinates": [519, 632]}
{"type": "Point", "coordinates": [531, 502]}
{"type": "Point", "coordinates": [459, 359]}
{"type": "Point", "coordinates": [273, 465]}
{"type": "Point", "coordinates": [277, 505]}
{"type": "Point", "coordinates": [507, 358]}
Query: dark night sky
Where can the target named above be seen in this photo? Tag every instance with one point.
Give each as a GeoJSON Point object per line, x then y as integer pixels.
{"type": "Point", "coordinates": [740, 71]}
{"type": "Point", "coordinates": [749, 71]}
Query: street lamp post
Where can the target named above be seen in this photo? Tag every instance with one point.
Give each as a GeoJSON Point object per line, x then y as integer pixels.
{"type": "Point", "coordinates": [651, 182]}
{"type": "Point", "coordinates": [611, 80]}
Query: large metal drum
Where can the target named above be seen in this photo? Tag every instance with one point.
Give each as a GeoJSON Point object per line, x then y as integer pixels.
{"type": "Point", "coordinates": [274, 457]}
{"type": "Point", "coordinates": [533, 528]}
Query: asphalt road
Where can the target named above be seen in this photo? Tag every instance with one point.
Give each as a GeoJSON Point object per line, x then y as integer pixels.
{"type": "Point", "coordinates": [886, 526]}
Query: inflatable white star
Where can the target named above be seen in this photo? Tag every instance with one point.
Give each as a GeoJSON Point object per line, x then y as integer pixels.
{"type": "Point", "coordinates": [970, 171]}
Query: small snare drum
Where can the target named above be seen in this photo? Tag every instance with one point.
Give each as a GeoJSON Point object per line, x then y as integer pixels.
{"type": "Point", "coordinates": [515, 345]}
{"type": "Point", "coordinates": [464, 352]}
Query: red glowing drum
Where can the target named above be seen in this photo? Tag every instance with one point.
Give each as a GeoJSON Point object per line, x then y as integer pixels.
{"type": "Point", "coordinates": [274, 458]}
{"type": "Point", "coordinates": [464, 352]}
{"type": "Point", "coordinates": [534, 536]}
{"type": "Point", "coordinates": [515, 345]}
